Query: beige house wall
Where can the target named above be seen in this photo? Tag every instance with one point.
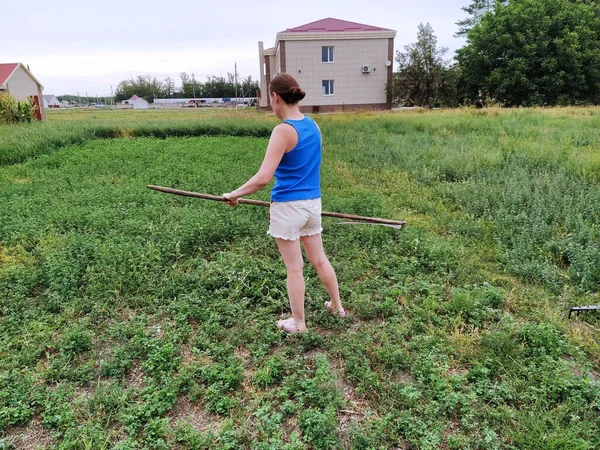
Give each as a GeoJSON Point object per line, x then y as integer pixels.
{"type": "Point", "coordinates": [21, 86]}
{"type": "Point", "coordinates": [267, 67]}
{"type": "Point", "coordinates": [272, 72]}
{"type": "Point", "coordinates": [351, 86]}
{"type": "Point", "coordinates": [274, 66]}
{"type": "Point", "coordinates": [276, 62]}
{"type": "Point", "coordinates": [262, 102]}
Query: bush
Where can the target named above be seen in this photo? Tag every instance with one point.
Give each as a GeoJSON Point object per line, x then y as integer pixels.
{"type": "Point", "coordinates": [15, 111]}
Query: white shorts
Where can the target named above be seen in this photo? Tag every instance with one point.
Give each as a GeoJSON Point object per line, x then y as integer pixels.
{"type": "Point", "coordinates": [292, 220]}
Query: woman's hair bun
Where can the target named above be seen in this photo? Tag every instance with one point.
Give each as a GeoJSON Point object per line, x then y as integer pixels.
{"type": "Point", "coordinates": [287, 87]}
{"type": "Point", "coordinates": [296, 94]}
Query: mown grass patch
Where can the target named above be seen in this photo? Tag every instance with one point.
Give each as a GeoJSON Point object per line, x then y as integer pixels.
{"type": "Point", "coordinates": [62, 129]}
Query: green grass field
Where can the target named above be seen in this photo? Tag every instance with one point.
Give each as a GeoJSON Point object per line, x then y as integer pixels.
{"type": "Point", "coordinates": [134, 319]}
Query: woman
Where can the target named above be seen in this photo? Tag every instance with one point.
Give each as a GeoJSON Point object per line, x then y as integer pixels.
{"type": "Point", "coordinates": [294, 157]}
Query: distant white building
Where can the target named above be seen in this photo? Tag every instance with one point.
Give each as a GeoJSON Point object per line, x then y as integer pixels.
{"type": "Point", "coordinates": [50, 101]}
{"type": "Point", "coordinates": [189, 102]}
{"type": "Point", "coordinates": [137, 102]}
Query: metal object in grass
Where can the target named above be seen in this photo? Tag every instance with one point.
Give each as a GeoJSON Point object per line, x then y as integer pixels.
{"type": "Point", "coordinates": [578, 309]}
{"type": "Point", "coordinates": [369, 223]}
{"type": "Point", "coordinates": [362, 220]}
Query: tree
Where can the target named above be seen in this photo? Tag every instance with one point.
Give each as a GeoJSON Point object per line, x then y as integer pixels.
{"type": "Point", "coordinates": [423, 77]}
{"type": "Point", "coordinates": [146, 87]}
{"type": "Point", "coordinates": [169, 87]}
{"type": "Point", "coordinates": [218, 87]}
{"type": "Point", "coordinates": [249, 87]}
{"type": "Point", "coordinates": [190, 87]}
{"type": "Point", "coordinates": [475, 10]}
{"type": "Point", "coordinates": [531, 52]}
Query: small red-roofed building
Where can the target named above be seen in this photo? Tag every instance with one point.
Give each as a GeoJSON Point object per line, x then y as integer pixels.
{"type": "Point", "coordinates": [339, 64]}
{"type": "Point", "coordinates": [17, 81]}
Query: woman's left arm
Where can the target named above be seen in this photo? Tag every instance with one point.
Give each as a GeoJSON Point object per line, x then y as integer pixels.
{"type": "Point", "coordinates": [283, 138]}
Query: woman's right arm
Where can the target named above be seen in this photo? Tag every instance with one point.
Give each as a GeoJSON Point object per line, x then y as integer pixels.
{"type": "Point", "coordinates": [283, 138]}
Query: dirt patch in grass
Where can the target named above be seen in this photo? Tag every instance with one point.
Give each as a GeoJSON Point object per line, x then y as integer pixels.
{"type": "Point", "coordinates": [198, 418]}
{"type": "Point", "coordinates": [355, 324]}
{"type": "Point", "coordinates": [246, 357]}
{"type": "Point", "coordinates": [402, 376]}
{"type": "Point", "coordinates": [85, 392]}
{"type": "Point", "coordinates": [447, 433]}
{"type": "Point", "coordinates": [135, 378]}
{"type": "Point", "coordinates": [248, 387]}
{"type": "Point", "coordinates": [187, 355]}
{"type": "Point", "coordinates": [158, 324]}
{"type": "Point", "coordinates": [187, 351]}
{"type": "Point", "coordinates": [30, 437]}
{"type": "Point", "coordinates": [356, 408]}
{"type": "Point", "coordinates": [289, 426]}
{"type": "Point", "coordinates": [458, 371]}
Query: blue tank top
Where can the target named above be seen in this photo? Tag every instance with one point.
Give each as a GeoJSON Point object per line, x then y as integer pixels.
{"type": "Point", "coordinates": [298, 175]}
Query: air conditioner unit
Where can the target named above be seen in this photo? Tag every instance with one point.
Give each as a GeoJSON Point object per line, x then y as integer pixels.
{"type": "Point", "coordinates": [366, 69]}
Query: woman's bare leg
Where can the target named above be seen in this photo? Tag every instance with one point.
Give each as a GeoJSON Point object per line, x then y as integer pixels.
{"type": "Point", "coordinates": [292, 258]}
{"type": "Point", "coordinates": [316, 255]}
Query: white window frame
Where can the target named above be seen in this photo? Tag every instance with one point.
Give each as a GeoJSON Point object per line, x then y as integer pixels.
{"type": "Point", "coordinates": [330, 54]}
{"type": "Point", "coordinates": [331, 87]}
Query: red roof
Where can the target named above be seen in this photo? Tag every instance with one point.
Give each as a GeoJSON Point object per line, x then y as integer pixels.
{"type": "Point", "coordinates": [331, 25]}
{"type": "Point", "coordinates": [6, 71]}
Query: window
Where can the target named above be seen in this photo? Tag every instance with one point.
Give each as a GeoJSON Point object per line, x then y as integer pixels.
{"type": "Point", "coordinates": [327, 87]}
{"type": "Point", "coordinates": [326, 54]}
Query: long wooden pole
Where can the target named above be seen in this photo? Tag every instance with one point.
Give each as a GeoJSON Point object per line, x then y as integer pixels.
{"type": "Point", "coordinates": [396, 223]}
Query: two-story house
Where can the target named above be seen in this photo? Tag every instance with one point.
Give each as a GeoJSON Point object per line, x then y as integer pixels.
{"type": "Point", "coordinates": [339, 64]}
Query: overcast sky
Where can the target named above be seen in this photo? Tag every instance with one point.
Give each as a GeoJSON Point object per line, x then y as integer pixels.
{"type": "Point", "coordinates": [77, 45]}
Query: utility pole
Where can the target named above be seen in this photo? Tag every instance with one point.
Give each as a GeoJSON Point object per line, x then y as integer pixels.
{"type": "Point", "coordinates": [87, 99]}
{"type": "Point", "coordinates": [79, 99]}
{"type": "Point", "coordinates": [235, 81]}
{"type": "Point", "coordinates": [112, 97]}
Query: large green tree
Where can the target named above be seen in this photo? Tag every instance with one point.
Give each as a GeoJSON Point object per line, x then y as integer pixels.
{"type": "Point", "coordinates": [424, 78]}
{"type": "Point", "coordinates": [475, 10]}
{"type": "Point", "coordinates": [532, 52]}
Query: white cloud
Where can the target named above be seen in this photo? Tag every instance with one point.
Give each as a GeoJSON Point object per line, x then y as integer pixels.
{"type": "Point", "coordinates": [73, 46]}
{"type": "Point", "coordinates": [95, 72]}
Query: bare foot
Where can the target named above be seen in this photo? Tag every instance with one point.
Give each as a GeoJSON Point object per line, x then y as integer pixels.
{"type": "Point", "coordinates": [339, 311]}
{"type": "Point", "coordinates": [289, 326]}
